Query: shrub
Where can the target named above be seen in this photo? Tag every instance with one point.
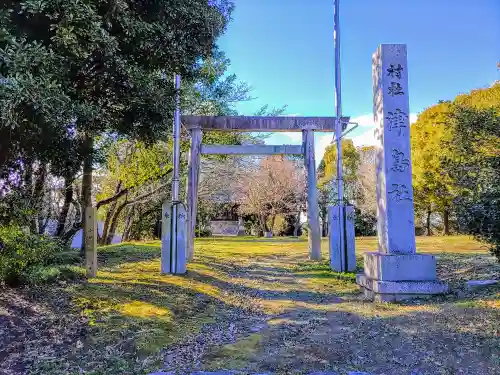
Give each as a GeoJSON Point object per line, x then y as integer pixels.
{"type": "Point", "coordinates": [37, 275]}
{"type": "Point", "coordinates": [280, 225]}
{"type": "Point", "coordinates": [365, 223]}
{"type": "Point", "coordinates": [305, 230]}
{"type": "Point", "coordinates": [20, 252]}
{"type": "Point", "coordinates": [204, 232]}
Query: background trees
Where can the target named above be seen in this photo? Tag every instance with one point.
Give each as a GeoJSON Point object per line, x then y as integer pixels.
{"type": "Point", "coordinates": [475, 164]}
{"type": "Point", "coordinates": [77, 75]}
{"type": "Point", "coordinates": [86, 103]}
{"type": "Point", "coordinates": [351, 164]}
{"type": "Point", "coordinates": [432, 183]}
{"type": "Point", "coordinates": [359, 184]}
{"type": "Point", "coordinates": [455, 152]}
{"type": "Point", "coordinates": [275, 186]}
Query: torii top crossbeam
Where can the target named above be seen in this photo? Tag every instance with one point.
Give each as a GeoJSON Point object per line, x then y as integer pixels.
{"type": "Point", "coordinates": [261, 123]}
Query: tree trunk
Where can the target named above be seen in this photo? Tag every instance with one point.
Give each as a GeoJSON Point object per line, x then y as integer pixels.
{"type": "Point", "coordinates": [296, 225]}
{"type": "Point", "coordinates": [263, 224]}
{"type": "Point", "coordinates": [42, 222]}
{"type": "Point", "coordinates": [116, 214]}
{"type": "Point", "coordinates": [128, 224]}
{"type": "Point", "coordinates": [37, 198]}
{"type": "Point", "coordinates": [296, 229]}
{"type": "Point", "coordinates": [324, 224]}
{"type": "Point", "coordinates": [77, 224]}
{"type": "Point", "coordinates": [428, 222]}
{"type": "Point", "coordinates": [68, 198]}
{"type": "Point", "coordinates": [86, 181]}
{"type": "Point", "coordinates": [28, 175]}
{"type": "Point", "coordinates": [446, 222]}
{"type": "Point", "coordinates": [109, 214]}
{"type": "Point", "coordinates": [114, 223]}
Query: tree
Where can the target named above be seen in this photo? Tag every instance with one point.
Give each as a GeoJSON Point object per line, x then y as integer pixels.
{"type": "Point", "coordinates": [367, 176]}
{"type": "Point", "coordinates": [213, 93]}
{"type": "Point", "coordinates": [350, 166]}
{"type": "Point", "coordinates": [437, 157]}
{"type": "Point", "coordinates": [134, 172]}
{"type": "Point", "coordinates": [275, 186]}
{"type": "Point", "coordinates": [432, 183]}
{"type": "Point", "coordinates": [327, 178]}
{"type": "Point", "coordinates": [475, 165]}
{"type": "Point", "coordinates": [104, 69]}
{"type": "Point", "coordinates": [366, 205]}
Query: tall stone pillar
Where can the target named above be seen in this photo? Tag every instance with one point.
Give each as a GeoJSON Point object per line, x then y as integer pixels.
{"type": "Point", "coordinates": [192, 188]}
{"type": "Point", "coordinates": [312, 195]}
{"type": "Point", "coordinates": [395, 271]}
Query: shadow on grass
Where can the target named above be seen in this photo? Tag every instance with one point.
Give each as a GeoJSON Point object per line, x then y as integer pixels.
{"type": "Point", "coordinates": [266, 294]}
{"type": "Point", "coordinates": [230, 266]}
{"type": "Point", "coordinates": [440, 341]}
{"type": "Point", "coordinates": [114, 255]}
{"type": "Point", "coordinates": [130, 322]}
{"type": "Point", "coordinates": [294, 283]}
{"type": "Point", "coordinates": [224, 239]}
{"type": "Point", "coordinates": [128, 325]}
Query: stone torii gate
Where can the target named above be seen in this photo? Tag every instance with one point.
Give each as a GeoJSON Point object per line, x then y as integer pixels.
{"type": "Point", "coordinates": [307, 125]}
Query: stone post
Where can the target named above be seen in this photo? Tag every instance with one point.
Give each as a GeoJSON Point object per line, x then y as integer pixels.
{"type": "Point", "coordinates": [91, 241]}
{"type": "Point", "coordinates": [192, 188]}
{"type": "Point", "coordinates": [314, 234]}
{"type": "Point", "coordinates": [341, 259]}
{"type": "Point", "coordinates": [173, 238]}
{"type": "Point", "coordinates": [395, 271]}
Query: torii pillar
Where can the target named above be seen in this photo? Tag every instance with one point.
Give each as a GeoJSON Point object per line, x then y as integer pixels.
{"type": "Point", "coordinates": [192, 187]}
{"type": "Point", "coordinates": [314, 233]}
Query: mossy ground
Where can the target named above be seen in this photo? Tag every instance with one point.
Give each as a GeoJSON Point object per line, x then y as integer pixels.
{"type": "Point", "coordinates": [253, 305]}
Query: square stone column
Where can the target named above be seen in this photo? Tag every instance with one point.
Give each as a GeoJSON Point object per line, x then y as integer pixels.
{"type": "Point", "coordinates": [395, 272]}
{"type": "Point", "coordinates": [173, 238]}
{"type": "Point", "coordinates": [342, 259]}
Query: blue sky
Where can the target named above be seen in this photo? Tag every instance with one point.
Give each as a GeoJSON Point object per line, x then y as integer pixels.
{"type": "Point", "coordinates": [284, 50]}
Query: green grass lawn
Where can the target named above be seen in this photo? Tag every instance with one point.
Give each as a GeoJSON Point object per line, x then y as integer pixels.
{"type": "Point", "coordinates": [252, 305]}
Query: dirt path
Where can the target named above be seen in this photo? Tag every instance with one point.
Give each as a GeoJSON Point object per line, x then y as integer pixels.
{"type": "Point", "coordinates": [31, 330]}
{"type": "Point", "coordinates": [250, 306]}
{"type": "Point", "coordinates": [299, 319]}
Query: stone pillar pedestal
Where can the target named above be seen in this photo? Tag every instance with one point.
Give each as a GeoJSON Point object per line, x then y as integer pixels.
{"type": "Point", "coordinates": [399, 276]}
{"type": "Point", "coordinates": [395, 272]}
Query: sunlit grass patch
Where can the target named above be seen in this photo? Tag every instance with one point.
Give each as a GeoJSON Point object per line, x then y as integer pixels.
{"type": "Point", "coordinates": [492, 303]}
{"type": "Point", "coordinates": [237, 355]}
{"type": "Point", "coordinates": [113, 255]}
{"type": "Point", "coordinates": [145, 310]}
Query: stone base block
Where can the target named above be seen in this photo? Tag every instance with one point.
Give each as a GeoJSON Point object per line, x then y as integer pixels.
{"type": "Point", "coordinates": [400, 267]}
{"type": "Point", "coordinates": [479, 284]}
{"type": "Point", "coordinates": [389, 291]}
